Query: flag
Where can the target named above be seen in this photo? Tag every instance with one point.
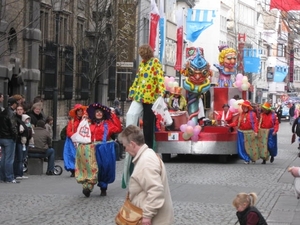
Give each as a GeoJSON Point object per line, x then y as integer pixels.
{"type": "Point", "coordinates": [154, 18]}
{"type": "Point", "coordinates": [285, 5]}
{"type": "Point", "coordinates": [179, 16]}
{"type": "Point", "coordinates": [197, 21]}
{"type": "Point", "coordinates": [162, 33]}
{"type": "Point", "coordinates": [251, 61]}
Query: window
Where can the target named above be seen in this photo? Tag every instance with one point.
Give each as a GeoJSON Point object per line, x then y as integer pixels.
{"type": "Point", "coordinates": [80, 35]}
{"type": "Point", "coordinates": [63, 31]}
{"type": "Point", "coordinates": [297, 74]}
{"type": "Point", "coordinates": [44, 25]}
{"type": "Point", "coordinates": [280, 50]}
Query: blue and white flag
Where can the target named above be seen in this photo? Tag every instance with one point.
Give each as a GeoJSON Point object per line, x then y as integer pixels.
{"type": "Point", "coordinates": [197, 21]}
{"type": "Point", "coordinates": [162, 32]}
{"type": "Point", "coordinates": [251, 61]}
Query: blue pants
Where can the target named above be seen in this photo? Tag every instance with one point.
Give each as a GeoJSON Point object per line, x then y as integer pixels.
{"type": "Point", "coordinates": [19, 160]}
{"type": "Point", "coordinates": [7, 159]}
{"type": "Point", "coordinates": [49, 154]}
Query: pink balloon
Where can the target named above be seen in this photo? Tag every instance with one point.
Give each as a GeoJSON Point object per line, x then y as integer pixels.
{"type": "Point", "coordinates": [197, 129]}
{"type": "Point", "coordinates": [167, 79]}
{"type": "Point", "coordinates": [195, 138]}
{"type": "Point", "coordinates": [172, 79]}
{"type": "Point", "coordinates": [231, 101]}
{"type": "Point", "coordinates": [189, 130]}
{"type": "Point", "coordinates": [239, 76]}
{"type": "Point", "coordinates": [183, 127]}
{"type": "Point", "coordinates": [238, 83]}
{"type": "Point", "coordinates": [191, 123]}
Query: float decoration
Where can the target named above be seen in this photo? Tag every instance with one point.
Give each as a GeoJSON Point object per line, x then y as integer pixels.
{"type": "Point", "coordinates": [227, 65]}
{"type": "Point", "coordinates": [197, 72]}
{"type": "Point", "coordinates": [241, 82]}
{"type": "Point", "coordinates": [190, 131]}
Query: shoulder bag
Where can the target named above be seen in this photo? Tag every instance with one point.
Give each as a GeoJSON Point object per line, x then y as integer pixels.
{"type": "Point", "coordinates": [129, 214]}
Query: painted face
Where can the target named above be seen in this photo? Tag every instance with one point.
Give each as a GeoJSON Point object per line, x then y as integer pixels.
{"type": "Point", "coordinates": [198, 76]}
{"type": "Point", "coordinates": [98, 114]}
{"type": "Point", "coordinates": [230, 60]}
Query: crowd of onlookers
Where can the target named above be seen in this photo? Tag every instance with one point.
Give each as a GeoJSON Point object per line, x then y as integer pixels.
{"type": "Point", "coordinates": [24, 130]}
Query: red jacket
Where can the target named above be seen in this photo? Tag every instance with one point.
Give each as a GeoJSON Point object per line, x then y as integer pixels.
{"type": "Point", "coordinates": [228, 119]}
{"type": "Point", "coordinates": [246, 121]}
{"type": "Point", "coordinates": [268, 121]}
{"type": "Point", "coordinates": [72, 126]}
{"type": "Point", "coordinates": [114, 126]}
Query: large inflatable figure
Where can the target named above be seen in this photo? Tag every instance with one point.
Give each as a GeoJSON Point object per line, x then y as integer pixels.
{"type": "Point", "coordinates": [227, 66]}
{"type": "Point", "coordinates": [197, 72]}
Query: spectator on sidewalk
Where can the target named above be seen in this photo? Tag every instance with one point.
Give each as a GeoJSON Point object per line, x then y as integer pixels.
{"type": "Point", "coordinates": [247, 213]}
{"type": "Point", "coordinates": [1, 102]}
{"type": "Point", "coordinates": [292, 113]}
{"type": "Point", "coordinates": [8, 136]}
{"type": "Point", "coordinates": [42, 146]}
{"type": "Point", "coordinates": [36, 113]}
{"type": "Point", "coordinates": [22, 142]}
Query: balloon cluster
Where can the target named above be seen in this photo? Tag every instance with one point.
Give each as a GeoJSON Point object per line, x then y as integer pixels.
{"type": "Point", "coordinates": [170, 83]}
{"type": "Point", "coordinates": [241, 82]}
{"type": "Point", "coordinates": [190, 130]}
{"type": "Point", "coordinates": [234, 105]}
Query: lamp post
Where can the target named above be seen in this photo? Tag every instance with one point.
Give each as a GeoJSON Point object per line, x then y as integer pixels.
{"type": "Point", "coordinates": [57, 7]}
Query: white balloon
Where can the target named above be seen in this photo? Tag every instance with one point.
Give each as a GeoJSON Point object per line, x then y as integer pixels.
{"type": "Point", "coordinates": [245, 79]}
{"type": "Point", "coordinates": [175, 84]}
{"type": "Point", "coordinates": [244, 86]}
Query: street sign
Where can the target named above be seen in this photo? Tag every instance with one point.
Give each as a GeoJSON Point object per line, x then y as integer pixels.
{"type": "Point", "coordinates": [125, 64]}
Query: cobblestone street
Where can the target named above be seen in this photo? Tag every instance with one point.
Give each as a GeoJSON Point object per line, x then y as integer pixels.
{"type": "Point", "coordinates": [202, 191]}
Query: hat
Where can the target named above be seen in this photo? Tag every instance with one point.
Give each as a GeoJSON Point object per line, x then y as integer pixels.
{"type": "Point", "coordinates": [12, 101]}
{"type": "Point", "coordinates": [25, 117]}
{"type": "Point", "coordinates": [72, 112]}
{"type": "Point", "coordinates": [93, 107]}
{"type": "Point", "coordinates": [267, 106]}
{"type": "Point", "coordinates": [177, 91]}
{"type": "Point", "coordinates": [246, 103]}
{"type": "Point", "coordinates": [225, 105]}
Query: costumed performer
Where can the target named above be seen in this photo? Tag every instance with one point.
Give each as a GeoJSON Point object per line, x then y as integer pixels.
{"type": "Point", "coordinates": [76, 115]}
{"type": "Point", "coordinates": [227, 66]}
{"type": "Point", "coordinates": [97, 161]}
{"type": "Point", "coordinates": [267, 133]}
{"type": "Point", "coordinates": [177, 100]}
{"type": "Point", "coordinates": [147, 86]}
{"type": "Point", "coordinates": [247, 126]}
{"type": "Point", "coordinates": [225, 116]}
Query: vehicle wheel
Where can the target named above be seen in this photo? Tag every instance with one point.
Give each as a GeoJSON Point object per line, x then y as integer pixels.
{"type": "Point", "coordinates": [223, 158]}
{"type": "Point", "coordinates": [58, 170]}
{"type": "Point", "coordinates": [25, 168]}
{"type": "Point", "coordinates": [166, 157]}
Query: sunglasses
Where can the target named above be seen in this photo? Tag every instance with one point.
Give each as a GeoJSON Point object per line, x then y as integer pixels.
{"type": "Point", "coordinates": [192, 71]}
{"type": "Point", "coordinates": [231, 57]}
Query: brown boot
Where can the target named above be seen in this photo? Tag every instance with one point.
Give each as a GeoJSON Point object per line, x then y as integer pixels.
{"type": "Point", "coordinates": [103, 192]}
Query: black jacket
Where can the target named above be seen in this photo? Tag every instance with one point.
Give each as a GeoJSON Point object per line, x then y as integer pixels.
{"type": "Point", "coordinates": [8, 127]}
{"type": "Point", "coordinates": [242, 216]}
{"type": "Point", "coordinates": [27, 130]}
{"type": "Point", "coordinates": [292, 110]}
{"type": "Point", "coordinates": [34, 117]}
{"type": "Point", "coordinates": [296, 126]}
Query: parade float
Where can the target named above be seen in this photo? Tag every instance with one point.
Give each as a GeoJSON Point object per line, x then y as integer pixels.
{"type": "Point", "coordinates": [195, 131]}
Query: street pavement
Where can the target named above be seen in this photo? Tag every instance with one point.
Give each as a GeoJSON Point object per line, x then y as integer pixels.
{"type": "Point", "coordinates": [202, 191]}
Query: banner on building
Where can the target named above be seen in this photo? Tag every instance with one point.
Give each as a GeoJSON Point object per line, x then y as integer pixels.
{"type": "Point", "coordinates": [162, 32]}
{"type": "Point", "coordinates": [197, 21]}
{"type": "Point", "coordinates": [251, 61]}
{"type": "Point", "coordinates": [179, 16]}
{"type": "Point", "coordinates": [126, 33]}
{"type": "Point", "coordinates": [154, 18]}
{"type": "Point", "coordinates": [285, 5]}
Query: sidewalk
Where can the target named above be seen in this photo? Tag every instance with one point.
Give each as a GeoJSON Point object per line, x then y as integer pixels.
{"type": "Point", "coordinates": [286, 211]}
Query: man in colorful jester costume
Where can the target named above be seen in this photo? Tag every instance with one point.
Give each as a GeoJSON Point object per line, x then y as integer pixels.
{"type": "Point", "coordinates": [227, 66]}
{"type": "Point", "coordinates": [197, 72]}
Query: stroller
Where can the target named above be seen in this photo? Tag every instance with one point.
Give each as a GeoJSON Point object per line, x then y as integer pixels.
{"type": "Point", "coordinates": [295, 171]}
{"type": "Point", "coordinates": [57, 168]}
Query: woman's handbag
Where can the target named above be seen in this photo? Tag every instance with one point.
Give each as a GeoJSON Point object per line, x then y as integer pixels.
{"type": "Point", "coordinates": [129, 214]}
